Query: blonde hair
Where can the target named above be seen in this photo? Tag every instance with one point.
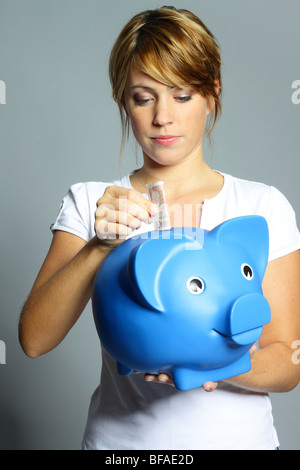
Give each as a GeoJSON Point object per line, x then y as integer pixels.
{"type": "Point", "coordinates": [172, 46]}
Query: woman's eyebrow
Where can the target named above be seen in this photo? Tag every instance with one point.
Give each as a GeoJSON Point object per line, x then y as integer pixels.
{"type": "Point", "coordinates": [142, 86]}
{"type": "Point", "coordinates": [148, 88]}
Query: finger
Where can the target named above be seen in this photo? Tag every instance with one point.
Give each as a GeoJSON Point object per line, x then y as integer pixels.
{"type": "Point", "coordinates": [120, 196]}
{"type": "Point", "coordinates": [111, 230]}
{"type": "Point", "coordinates": [160, 378]}
{"type": "Point", "coordinates": [210, 386]}
{"type": "Point", "coordinates": [166, 379]}
{"type": "Point", "coordinates": [140, 210]}
{"type": "Point", "coordinates": [118, 217]}
{"type": "Point", "coordinates": [150, 378]}
{"type": "Point", "coordinates": [120, 211]}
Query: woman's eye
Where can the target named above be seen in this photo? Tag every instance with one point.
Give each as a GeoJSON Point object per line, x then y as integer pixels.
{"type": "Point", "coordinates": [140, 100]}
{"type": "Point", "coordinates": [183, 99]}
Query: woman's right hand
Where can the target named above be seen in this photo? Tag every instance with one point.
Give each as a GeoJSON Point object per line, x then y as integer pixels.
{"type": "Point", "coordinates": [119, 212]}
{"type": "Point", "coordinates": [65, 282]}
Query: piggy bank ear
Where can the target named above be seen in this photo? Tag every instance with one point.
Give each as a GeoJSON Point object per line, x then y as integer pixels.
{"type": "Point", "coordinates": [145, 265]}
{"type": "Point", "coordinates": [250, 232]}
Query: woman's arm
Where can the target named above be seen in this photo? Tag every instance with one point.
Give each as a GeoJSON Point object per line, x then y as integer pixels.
{"type": "Point", "coordinates": [273, 367]}
{"type": "Point", "coordinates": [60, 292]}
{"type": "Point", "coordinates": [64, 284]}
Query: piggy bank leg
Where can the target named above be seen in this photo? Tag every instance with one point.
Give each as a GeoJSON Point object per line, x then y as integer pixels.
{"type": "Point", "coordinates": [123, 370]}
{"type": "Point", "coordinates": [186, 379]}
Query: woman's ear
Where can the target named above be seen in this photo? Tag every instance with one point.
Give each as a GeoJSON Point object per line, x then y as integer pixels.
{"type": "Point", "coordinates": [211, 101]}
{"type": "Point", "coordinates": [210, 105]}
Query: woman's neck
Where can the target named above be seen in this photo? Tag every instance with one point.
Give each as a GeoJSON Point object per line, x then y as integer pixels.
{"type": "Point", "coordinates": [180, 180]}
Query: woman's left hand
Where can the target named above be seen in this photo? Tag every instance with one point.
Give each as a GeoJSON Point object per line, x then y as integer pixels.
{"type": "Point", "coordinates": [160, 378]}
{"type": "Point", "coordinates": [166, 379]}
{"type": "Point", "coordinates": [211, 386]}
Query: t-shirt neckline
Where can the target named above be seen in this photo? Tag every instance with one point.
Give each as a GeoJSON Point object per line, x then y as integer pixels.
{"type": "Point", "coordinates": [220, 195]}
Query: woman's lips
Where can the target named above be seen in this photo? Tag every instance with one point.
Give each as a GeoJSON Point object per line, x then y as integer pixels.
{"type": "Point", "coordinates": [166, 139]}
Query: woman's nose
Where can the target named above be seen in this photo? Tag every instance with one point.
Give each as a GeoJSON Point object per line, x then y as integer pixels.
{"type": "Point", "coordinates": [163, 114]}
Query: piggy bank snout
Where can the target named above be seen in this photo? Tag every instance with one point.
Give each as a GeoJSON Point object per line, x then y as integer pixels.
{"type": "Point", "coordinates": [248, 315]}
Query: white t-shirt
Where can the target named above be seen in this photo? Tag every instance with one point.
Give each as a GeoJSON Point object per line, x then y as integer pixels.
{"type": "Point", "coordinates": [128, 413]}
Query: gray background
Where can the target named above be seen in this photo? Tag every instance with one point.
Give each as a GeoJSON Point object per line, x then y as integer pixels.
{"type": "Point", "coordinates": [60, 126]}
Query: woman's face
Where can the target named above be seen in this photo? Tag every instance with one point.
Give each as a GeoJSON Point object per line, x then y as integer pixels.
{"type": "Point", "coordinates": [167, 122]}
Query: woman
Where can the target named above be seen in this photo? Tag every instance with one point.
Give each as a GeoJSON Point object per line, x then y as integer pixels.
{"type": "Point", "coordinates": [165, 70]}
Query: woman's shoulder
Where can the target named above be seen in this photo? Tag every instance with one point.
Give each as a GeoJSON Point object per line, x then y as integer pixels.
{"type": "Point", "coordinates": [76, 213]}
{"type": "Point", "coordinates": [94, 189]}
{"type": "Point", "coordinates": [245, 185]}
{"type": "Point", "coordinates": [255, 192]}
{"type": "Point", "coordinates": [245, 197]}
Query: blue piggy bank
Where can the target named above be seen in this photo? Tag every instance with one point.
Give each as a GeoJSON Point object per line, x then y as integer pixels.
{"type": "Point", "coordinates": [187, 302]}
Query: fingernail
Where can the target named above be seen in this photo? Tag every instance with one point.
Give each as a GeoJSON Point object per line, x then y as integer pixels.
{"type": "Point", "coordinates": [135, 224]}
{"type": "Point", "coordinates": [149, 378]}
{"type": "Point", "coordinates": [163, 380]}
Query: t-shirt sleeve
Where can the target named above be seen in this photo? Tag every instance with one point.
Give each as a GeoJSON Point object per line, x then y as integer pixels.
{"type": "Point", "coordinates": [74, 214]}
{"type": "Point", "coordinates": [283, 230]}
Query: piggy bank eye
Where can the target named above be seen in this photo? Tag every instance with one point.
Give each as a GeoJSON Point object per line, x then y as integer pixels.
{"type": "Point", "coordinates": [247, 271]}
{"type": "Point", "coordinates": [195, 285]}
